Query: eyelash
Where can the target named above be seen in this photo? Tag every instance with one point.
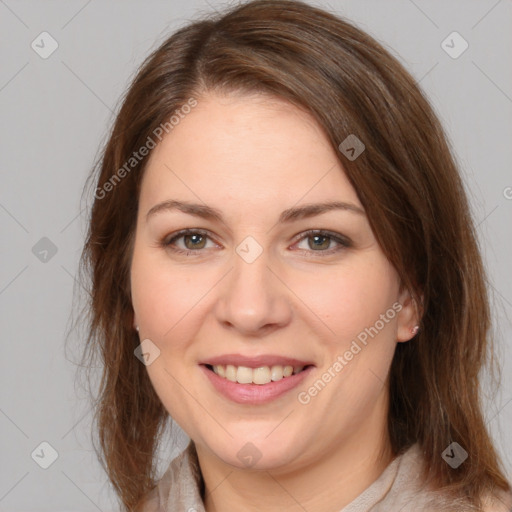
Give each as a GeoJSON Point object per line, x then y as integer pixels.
{"type": "Point", "coordinates": [343, 242]}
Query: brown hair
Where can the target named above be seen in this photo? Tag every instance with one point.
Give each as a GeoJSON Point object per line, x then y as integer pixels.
{"type": "Point", "coordinates": [406, 179]}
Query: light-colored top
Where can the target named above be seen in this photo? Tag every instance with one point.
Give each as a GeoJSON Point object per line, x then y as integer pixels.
{"type": "Point", "coordinates": [398, 488]}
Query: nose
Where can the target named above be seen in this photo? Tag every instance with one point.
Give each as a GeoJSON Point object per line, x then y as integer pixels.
{"type": "Point", "coordinates": [252, 300]}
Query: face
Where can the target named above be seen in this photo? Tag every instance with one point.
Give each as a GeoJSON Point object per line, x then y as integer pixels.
{"type": "Point", "coordinates": [262, 285]}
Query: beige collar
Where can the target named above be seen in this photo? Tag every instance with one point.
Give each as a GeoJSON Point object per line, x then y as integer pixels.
{"type": "Point", "coordinates": [400, 487]}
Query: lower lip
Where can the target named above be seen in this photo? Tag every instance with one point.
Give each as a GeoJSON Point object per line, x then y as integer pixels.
{"type": "Point", "coordinates": [255, 393]}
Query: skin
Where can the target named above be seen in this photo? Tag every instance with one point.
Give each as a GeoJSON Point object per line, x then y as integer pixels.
{"type": "Point", "coordinates": [252, 157]}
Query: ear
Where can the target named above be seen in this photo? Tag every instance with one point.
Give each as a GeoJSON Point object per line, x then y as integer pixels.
{"type": "Point", "coordinates": [408, 318]}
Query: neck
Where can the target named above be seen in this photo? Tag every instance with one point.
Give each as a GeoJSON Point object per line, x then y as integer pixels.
{"type": "Point", "coordinates": [329, 482]}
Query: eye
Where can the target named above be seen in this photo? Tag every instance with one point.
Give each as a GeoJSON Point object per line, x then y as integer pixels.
{"type": "Point", "coordinates": [321, 241]}
{"type": "Point", "coordinates": [193, 241]}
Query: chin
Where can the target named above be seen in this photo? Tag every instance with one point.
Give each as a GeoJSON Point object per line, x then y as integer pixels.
{"type": "Point", "coordinates": [255, 452]}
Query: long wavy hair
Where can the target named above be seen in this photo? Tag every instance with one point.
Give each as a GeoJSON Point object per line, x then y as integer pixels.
{"type": "Point", "coordinates": [406, 179]}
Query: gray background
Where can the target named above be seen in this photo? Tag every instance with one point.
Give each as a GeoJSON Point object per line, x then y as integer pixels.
{"type": "Point", "coordinates": [55, 112]}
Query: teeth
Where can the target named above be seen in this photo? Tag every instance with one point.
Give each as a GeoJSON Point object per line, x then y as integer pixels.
{"type": "Point", "coordinates": [276, 373]}
{"type": "Point", "coordinates": [244, 375]}
{"type": "Point", "coordinates": [261, 375]}
{"type": "Point", "coordinates": [230, 372]}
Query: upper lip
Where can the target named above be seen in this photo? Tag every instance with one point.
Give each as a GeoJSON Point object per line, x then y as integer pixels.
{"type": "Point", "coordinates": [254, 361]}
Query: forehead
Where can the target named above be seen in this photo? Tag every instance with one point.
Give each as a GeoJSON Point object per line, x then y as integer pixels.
{"type": "Point", "coordinates": [254, 148]}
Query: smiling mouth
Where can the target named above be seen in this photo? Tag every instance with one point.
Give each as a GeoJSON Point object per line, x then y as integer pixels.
{"type": "Point", "coordinates": [258, 376]}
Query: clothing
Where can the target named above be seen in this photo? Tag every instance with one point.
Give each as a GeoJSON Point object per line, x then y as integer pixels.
{"type": "Point", "coordinates": [398, 488]}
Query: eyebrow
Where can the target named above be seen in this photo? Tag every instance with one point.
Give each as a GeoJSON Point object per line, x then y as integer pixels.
{"type": "Point", "coordinates": [291, 214]}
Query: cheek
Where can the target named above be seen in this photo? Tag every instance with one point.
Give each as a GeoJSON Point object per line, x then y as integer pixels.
{"type": "Point", "coordinates": [168, 306]}
{"type": "Point", "coordinates": [349, 298]}
{"type": "Point", "coordinates": [163, 296]}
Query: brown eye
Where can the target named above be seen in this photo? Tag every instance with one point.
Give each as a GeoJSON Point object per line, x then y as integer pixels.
{"type": "Point", "coordinates": [319, 242]}
{"type": "Point", "coordinates": [195, 241]}
{"type": "Point", "coordinates": [323, 242]}
{"type": "Point", "coordinates": [189, 242]}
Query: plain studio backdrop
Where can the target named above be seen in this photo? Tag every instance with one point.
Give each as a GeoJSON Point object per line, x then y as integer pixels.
{"type": "Point", "coordinates": [64, 67]}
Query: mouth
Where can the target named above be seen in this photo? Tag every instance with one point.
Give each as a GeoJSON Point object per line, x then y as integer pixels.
{"type": "Point", "coordinates": [259, 376]}
{"type": "Point", "coordinates": [257, 380]}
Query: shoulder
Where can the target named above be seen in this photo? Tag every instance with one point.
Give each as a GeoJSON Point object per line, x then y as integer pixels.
{"type": "Point", "coordinates": [414, 494]}
{"type": "Point", "coordinates": [500, 501]}
{"type": "Point", "coordinates": [156, 500]}
{"type": "Point", "coordinates": [180, 486]}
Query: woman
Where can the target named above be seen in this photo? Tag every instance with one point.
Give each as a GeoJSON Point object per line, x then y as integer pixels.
{"type": "Point", "coordinates": [283, 261]}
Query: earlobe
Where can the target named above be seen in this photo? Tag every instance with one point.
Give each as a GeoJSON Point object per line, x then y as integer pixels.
{"type": "Point", "coordinates": [408, 318]}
